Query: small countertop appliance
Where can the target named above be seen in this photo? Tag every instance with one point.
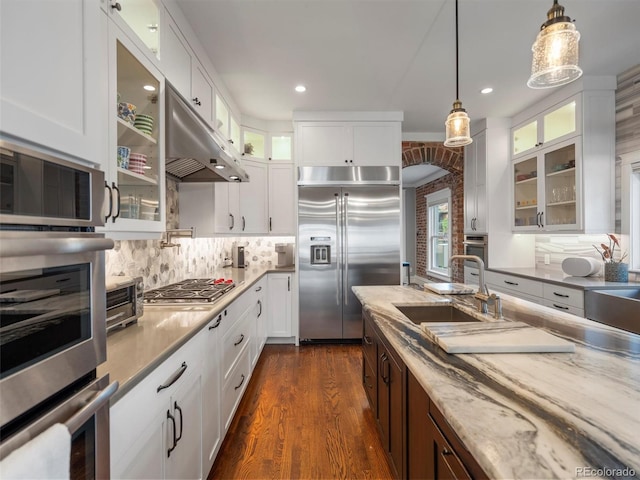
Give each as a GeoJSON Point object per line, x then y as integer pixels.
{"type": "Point", "coordinates": [238, 256]}
{"type": "Point", "coordinates": [285, 255]}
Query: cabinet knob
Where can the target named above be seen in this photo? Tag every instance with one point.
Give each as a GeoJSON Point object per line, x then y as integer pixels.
{"type": "Point", "coordinates": [117, 6]}
{"type": "Point", "coordinates": [446, 451]}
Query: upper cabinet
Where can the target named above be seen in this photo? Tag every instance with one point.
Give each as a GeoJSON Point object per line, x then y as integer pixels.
{"type": "Point", "coordinates": [348, 143]}
{"type": "Point", "coordinates": [348, 138]}
{"type": "Point", "coordinates": [548, 128]}
{"type": "Point", "coordinates": [185, 72]}
{"type": "Point", "coordinates": [134, 167]}
{"type": "Point", "coordinates": [141, 21]}
{"type": "Point", "coordinates": [281, 147]}
{"type": "Point", "coordinates": [53, 81]}
{"type": "Point", "coordinates": [253, 143]}
{"type": "Point", "coordinates": [563, 162]}
{"type": "Point", "coordinates": [475, 185]}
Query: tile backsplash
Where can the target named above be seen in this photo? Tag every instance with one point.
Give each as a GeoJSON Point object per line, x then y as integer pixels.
{"type": "Point", "coordinates": [196, 258]}
{"type": "Point", "coordinates": [559, 247]}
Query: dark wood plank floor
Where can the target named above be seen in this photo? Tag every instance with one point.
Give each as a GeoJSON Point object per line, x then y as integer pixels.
{"type": "Point", "coordinates": [304, 415]}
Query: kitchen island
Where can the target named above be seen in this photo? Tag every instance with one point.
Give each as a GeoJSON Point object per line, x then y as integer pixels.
{"type": "Point", "coordinates": [524, 415]}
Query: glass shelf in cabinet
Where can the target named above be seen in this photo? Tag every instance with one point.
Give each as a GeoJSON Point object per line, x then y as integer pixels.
{"type": "Point", "coordinates": [131, 178]}
{"type": "Point", "coordinates": [128, 134]}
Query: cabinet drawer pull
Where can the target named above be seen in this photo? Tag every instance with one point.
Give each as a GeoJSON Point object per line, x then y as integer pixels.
{"type": "Point", "coordinates": [176, 407]}
{"type": "Point", "coordinates": [233, 222]}
{"type": "Point", "coordinates": [174, 378]}
{"type": "Point", "coordinates": [446, 451]}
{"type": "Point", "coordinates": [561, 307]}
{"type": "Point", "coordinates": [260, 305]}
{"type": "Point", "coordinates": [560, 295]}
{"type": "Point", "coordinates": [511, 283]}
{"type": "Point", "coordinates": [367, 340]}
{"type": "Point", "coordinates": [239, 341]}
{"type": "Point", "coordinates": [217, 324]}
{"type": "Point", "coordinates": [244, 223]}
{"type": "Point", "coordinates": [175, 442]}
{"type": "Point", "coordinates": [241, 382]}
{"type": "Point", "coordinates": [197, 101]}
{"type": "Point", "coordinates": [258, 289]}
{"type": "Point", "coordinates": [474, 274]}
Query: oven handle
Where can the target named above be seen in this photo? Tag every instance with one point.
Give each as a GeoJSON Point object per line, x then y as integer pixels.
{"type": "Point", "coordinates": [95, 404]}
{"type": "Point", "coordinates": [24, 247]}
{"type": "Point", "coordinates": [474, 242]}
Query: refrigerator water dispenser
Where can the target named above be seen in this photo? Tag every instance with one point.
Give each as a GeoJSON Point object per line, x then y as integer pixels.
{"type": "Point", "coordinates": [320, 254]}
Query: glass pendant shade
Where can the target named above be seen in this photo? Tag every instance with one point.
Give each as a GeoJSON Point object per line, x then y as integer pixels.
{"type": "Point", "coordinates": [457, 127]}
{"type": "Point", "coordinates": [555, 52]}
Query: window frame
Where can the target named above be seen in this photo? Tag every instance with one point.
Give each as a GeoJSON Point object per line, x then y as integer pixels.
{"type": "Point", "coordinates": [433, 199]}
{"type": "Point", "coordinates": [630, 207]}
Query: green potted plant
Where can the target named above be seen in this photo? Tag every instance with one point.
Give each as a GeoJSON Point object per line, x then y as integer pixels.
{"type": "Point", "coordinates": [614, 270]}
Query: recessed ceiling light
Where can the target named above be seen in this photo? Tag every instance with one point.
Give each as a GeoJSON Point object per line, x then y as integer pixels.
{"type": "Point", "coordinates": [486, 90]}
{"type": "Point", "coordinates": [153, 28]}
{"type": "Point", "coordinates": [301, 88]}
{"type": "Point", "coordinates": [149, 88]}
{"type": "Point", "coordinates": [219, 167]}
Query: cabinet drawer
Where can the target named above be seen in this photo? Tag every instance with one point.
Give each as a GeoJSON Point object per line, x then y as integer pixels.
{"type": "Point", "coordinates": [234, 387]}
{"type": "Point", "coordinates": [517, 285]}
{"type": "Point", "coordinates": [368, 341]}
{"type": "Point", "coordinates": [234, 342]}
{"type": "Point", "coordinates": [471, 276]}
{"type": "Point", "coordinates": [236, 310]}
{"type": "Point", "coordinates": [370, 383]}
{"type": "Point", "coordinates": [563, 307]}
{"type": "Point", "coordinates": [565, 295]}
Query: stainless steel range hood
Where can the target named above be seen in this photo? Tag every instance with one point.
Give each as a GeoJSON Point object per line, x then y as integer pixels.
{"type": "Point", "coordinates": [193, 151]}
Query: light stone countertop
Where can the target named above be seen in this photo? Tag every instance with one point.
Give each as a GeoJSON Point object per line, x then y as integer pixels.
{"type": "Point", "coordinates": [523, 415]}
{"type": "Point", "coordinates": [558, 277]}
{"type": "Point", "coordinates": [134, 351]}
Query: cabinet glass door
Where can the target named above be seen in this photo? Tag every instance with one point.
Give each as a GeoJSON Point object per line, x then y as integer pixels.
{"type": "Point", "coordinates": [525, 138]}
{"type": "Point", "coordinates": [234, 133]}
{"type": "Point", "coordinates": [222, 117]}
{"type": "Point", "coordinates": [138, 152]}
{"type": "Point", "coordinates": [560, 122]}
{"type": "Point", "coordinates": [525, 177]}
{"type": "Point", "coordinates": [560, 187]}
{"type": "Point", "coordinates": [281, 147]}
{"type": "Point", "coordinates": [144, 19]}
{"type": "Point", "coordinates": [253, 143]}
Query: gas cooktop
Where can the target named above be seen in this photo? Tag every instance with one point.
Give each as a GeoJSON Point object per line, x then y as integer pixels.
{"type": "Point", "coordinates": [196, 290]}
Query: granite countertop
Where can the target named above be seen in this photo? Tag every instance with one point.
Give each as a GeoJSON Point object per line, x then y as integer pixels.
{"type": "Point", "coordinates": [526, 415]}
{"type": "Point", "coordinates": [134, 351]}
{"type": "Point", "coordinates": [558, 277]}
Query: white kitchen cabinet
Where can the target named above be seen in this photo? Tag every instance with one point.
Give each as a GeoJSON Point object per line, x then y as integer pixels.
{"type": "Point", "coordinates": [280, 147]}
{"type": "Point", "coordinates": [254, 144]}
{"type": "Point", "coordinates": [135, 200]}
{"type": "Point", "coordinates": [211, 387]}
{"type": "Point", "coordinates": [282, 215]}
{"type": "Point", "coordinates": [258, 314]}
{"type": "Point", "coordinates": [185, 72]}
{"type": "Point", "coordinates": [348, 143]}
{"type": "Point", "coordinates": [184, 445]}
{"type": "Point", "coordinates": [52, 76]}
{"type": "Point", "coordinates": [471, 276]}
{"type": "Point", "coordinates": [141, 425]}
{"type": "Point", "coordinates": [279, 308]}
{"type": "Point", "coordinates": [254, 198]}
{"type": "Point", "coordinates": [551, 126]}
{"type": "Point", "coordinates": [475, 185]}
{"type": "Point", "coordinates": [234, 387]}
{"type": "Point", "coordinates": [564, 182]}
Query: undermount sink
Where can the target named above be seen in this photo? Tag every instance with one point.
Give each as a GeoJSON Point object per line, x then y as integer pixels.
{"type": "Point", "coordinates": [434, 313]}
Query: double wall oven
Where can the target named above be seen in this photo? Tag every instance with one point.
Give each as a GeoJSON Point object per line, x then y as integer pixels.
{"type": "Point", "coordinates": [53, 305]}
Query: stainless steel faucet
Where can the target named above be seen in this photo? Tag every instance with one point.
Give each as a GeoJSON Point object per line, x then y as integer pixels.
{"type": "Point", "coordinates": [177, 233]}
{"type": "Point", "coordinates": [483, 296]}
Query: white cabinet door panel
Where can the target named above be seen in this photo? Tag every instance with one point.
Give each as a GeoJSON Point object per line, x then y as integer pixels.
{"type": "Point", "coordinates": [281, 199]}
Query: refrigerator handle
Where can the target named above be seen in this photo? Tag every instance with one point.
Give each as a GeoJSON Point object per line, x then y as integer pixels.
{"type": "Point", "coordinates": [345, 249]}
{"type": "Point", "coordinates": [338, 249]}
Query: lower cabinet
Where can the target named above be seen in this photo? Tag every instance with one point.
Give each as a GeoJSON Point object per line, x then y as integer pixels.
{"type": "Point", "coordinates": [171, 424]}
{"type": "Point", "coordinates": [416, 436]}
{"type": "Point", "coordinates": [280, 312]}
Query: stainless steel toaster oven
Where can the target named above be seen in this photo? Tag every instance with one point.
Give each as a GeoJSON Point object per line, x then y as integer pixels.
{"type": "Point", "coordinates": [125, 300]}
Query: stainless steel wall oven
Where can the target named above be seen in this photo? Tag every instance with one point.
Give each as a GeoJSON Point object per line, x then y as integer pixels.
{"type": "Point", "coordinates": [476, 245]}
{"type": "Point", "coordinates": [52, 303]}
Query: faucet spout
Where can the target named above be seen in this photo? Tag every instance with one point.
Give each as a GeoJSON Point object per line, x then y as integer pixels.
{"type": "Point", "coordinates": [483, 292]}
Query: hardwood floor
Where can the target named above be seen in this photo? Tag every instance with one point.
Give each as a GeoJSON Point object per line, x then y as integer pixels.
{"type": "Point", "coordinates": [304, 415]}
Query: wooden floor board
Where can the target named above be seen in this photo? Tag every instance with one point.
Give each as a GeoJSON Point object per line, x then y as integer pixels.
{"type": "Point", "coordinates": [304, 415]}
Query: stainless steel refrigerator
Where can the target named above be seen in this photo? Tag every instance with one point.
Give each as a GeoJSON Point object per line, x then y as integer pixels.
{"type": "Point", "coordinates": [348, 234]}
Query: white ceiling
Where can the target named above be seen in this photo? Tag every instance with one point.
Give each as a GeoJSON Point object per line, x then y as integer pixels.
{"type": "Point", "coordinates": [397, 54]}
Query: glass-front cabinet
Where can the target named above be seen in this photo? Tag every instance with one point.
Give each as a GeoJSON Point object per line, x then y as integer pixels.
{"type": "Point", "coordinates": [552, 126]}
{"type": "Point", "coordinates": [253, 142]}
{"type": "Point", "coordinates": [135, 172]}
{"type": "Point", "coordinates": [142, 17]}
{"type": "Point", "coordinates": [281, 147]}
{"type": "Point", "coordinates": [546, 189]}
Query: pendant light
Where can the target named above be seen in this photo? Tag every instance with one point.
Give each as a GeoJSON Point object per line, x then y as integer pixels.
{"type": "Point", "coordinates": [457, 124]}
{"type": "Point", "coordinates": [555, 51]}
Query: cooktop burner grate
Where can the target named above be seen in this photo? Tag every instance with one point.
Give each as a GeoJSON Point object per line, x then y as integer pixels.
{"type": "Point", "coordinates": [197, 290]}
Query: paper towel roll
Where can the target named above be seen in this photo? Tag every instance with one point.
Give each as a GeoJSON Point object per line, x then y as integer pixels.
{"type": "Point", "coordinates": [581, 266]}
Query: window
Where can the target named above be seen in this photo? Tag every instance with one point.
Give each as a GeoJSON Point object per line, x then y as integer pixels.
{"type": "Point", "coordinates": [439, 233]}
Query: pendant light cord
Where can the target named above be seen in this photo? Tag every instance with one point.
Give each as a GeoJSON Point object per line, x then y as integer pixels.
{"type": "Point", "coordinates": [457, 92]}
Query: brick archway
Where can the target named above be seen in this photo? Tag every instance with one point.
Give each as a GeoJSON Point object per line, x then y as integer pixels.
{"type": "Point", "coordinates": [451, 160]}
